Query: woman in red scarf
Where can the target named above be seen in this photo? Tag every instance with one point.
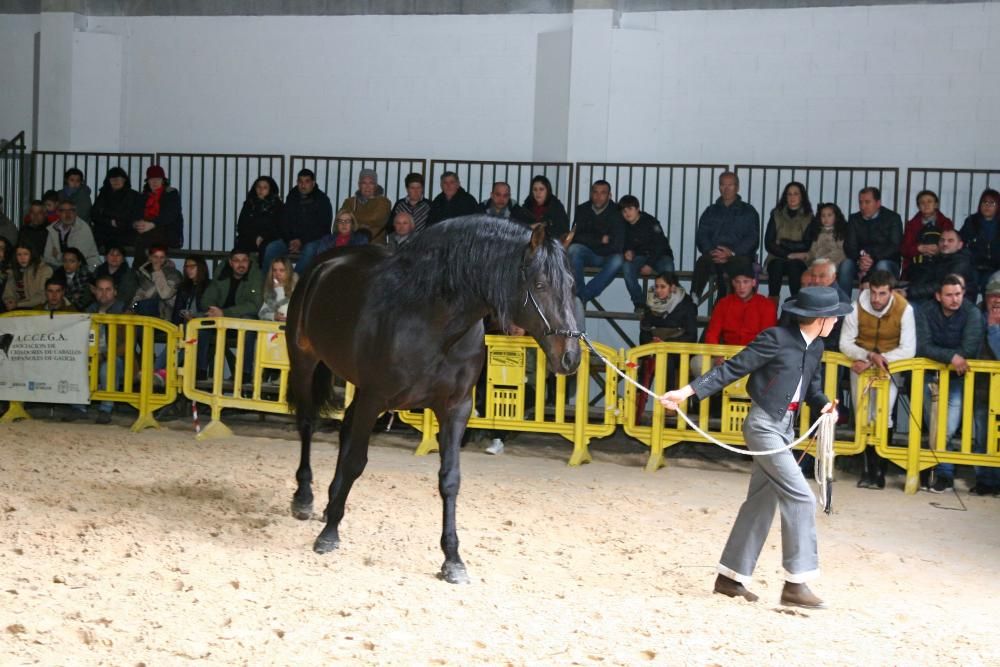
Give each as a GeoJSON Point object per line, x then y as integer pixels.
{"type": "Point", "coordinates": [162, 222]}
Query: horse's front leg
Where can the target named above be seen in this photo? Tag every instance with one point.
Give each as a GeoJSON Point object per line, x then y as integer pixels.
{"type": "Point", "coordinates": [453, 422]}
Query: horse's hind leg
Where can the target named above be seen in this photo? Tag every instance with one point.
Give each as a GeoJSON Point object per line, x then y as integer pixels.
{"type": "Point", "coordinates": [351, 461]}
{"type": "Point", "coordinates": [301, 386]}
{"type": "Point", "coordinates": [453, 423]}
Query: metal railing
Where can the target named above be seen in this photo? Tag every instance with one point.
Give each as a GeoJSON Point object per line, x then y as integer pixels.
{"type": "Point", "coordinates": [957, 189]}
{"type": "Point", "coordinates": [49, 167]}
{"type": "Point", "coordinates": [478, 177]}
{"type": "Point", "coordinates": [213, 187]}
{"type": "Point", "coordinates": [338, 176]}
{"type": "Point", "coordinates": [675, 194]}
{"type": "Point", "coordinates": [15, 175]}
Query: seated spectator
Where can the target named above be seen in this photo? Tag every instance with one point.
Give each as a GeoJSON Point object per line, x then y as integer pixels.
{"type": "Point", "coordinates": [8, 230]}
{"type": "Point", "coordinates": [987, 477]}
{"type": "Point", "coordinates": [70, 232]}
{"type": "Point", "coordinates": [106, 302]}
{"type": "Point", "coordinates": [786, 240]}
{"type": "Point", "coordinates": [158, 282]}
{"type": "Point", "coordinates": [880, 330]}
{"type": "Point", "coordinates": [414, 203]}
{"type": "Point", "coordinates": [543, 207]}
{"type": "Point", "coordinates": [822, 272]}
{"type": "Point", "coordinates": [308, 214]}
{"type": "Point", "coordinates": [117, 206]}
{"type": "Point", "coordinates": [922, 232]}
{"type": "Point", "coordinates": [26, 278]}
{"type": "Point", "coordinates": [874, 240]}
{"type": "Point", "coordinates": [370, 206]}
{"type": "Point", "coordinates": [162, 222]}
{"type": "Point", "coordinates": [189, 302]}
{"type": "Point", "coordinates": [35, 228]}
{"type": "Point", "coordinates": [740, 316]}
{"type": "Point", "coordinates": [278, 287]}
{"type": "Point", "coordinates": [236, 292]}
{"type": "Point", "coordinates": [51, 199]}
{"type": "Point", "coordinates": [452, 202]}
{"type": "Point", "coordinates": [345, 233]}
{"type": "Point", "coordinates": [76, 190]}
{"type": "Point", "coordinates": [55, 297]}
{"type": "Point", "coordinates": [116, 267]}
{"type": "Point", "coordinates": [260, 218]}
{"type": "Point", "coordinates": [950, 330]}
{"type": "Point", "coordinates": [827, 234]}
{"type": "Point", "coordinates": [669, 314]}
{"type": "Point", "coordinates": [597, 239]}
{"type": "Point", "coordinates": [981, 235]}
{"type": "Point", "coordinates": [76, 277]}
{"type": "Point", "coordinates": [728, 230]}
{"type": "Point", "coordinates": [952, 257]}
{"type": "Point", "coordinates": [403, 230]}
{"type": "Point", "coordinates": [499, 204]}
{"type": "Point", "coordinates": [647, 250]}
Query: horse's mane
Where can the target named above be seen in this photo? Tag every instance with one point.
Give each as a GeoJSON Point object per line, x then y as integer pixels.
{"type": "Point", "coordinates": [474, 258]}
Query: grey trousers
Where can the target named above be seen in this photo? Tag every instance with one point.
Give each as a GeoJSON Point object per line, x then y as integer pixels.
{"type": "Point", "coordinates": [776, 482]}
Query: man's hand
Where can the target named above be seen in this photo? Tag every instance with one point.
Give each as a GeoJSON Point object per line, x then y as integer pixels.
{"type": "Point", "coordinates": [605, 240]}
{"type": "Point", "coordinates": [143, 226]}
{"type": "Point", "coordinates": [629, 255]}
{"type": "Point", "coordinates": [294, 245]}
{"type": "Point", "coordinates": [865, 262]}
{"type": "Point", "coordinates": [927, 249]}
{"type": "Point", "coordinates": [960, 365]}
{"type": "Point", "coordinates": [215, 311]}
{"type": "Point", "coordinates": [878, 360]}
{"type": "Point", "coordinates": [859, 367]}
{"type": "Point", "coordinates": [671, 399]}
{"type": "Point", "coordinates": [830, 408]}
{"type": "Point", "coordinates": [718, 361]}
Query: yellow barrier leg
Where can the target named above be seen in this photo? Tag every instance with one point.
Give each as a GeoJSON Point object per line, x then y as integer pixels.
{"type": "Point", "coordinates": [143, 421]}
{"type": "Point", "coordinates": [15, 412]}
{"type": "Point", "coordinates": [428, 443]}
{"type": "Point", "coordinates": [215, 428]}
{"type": "Point", "coordinates": [913, 441]}
{"type": "Point", "coordinates": [656, 444]}
{"type": "Point", "coordinates": [581, 451]}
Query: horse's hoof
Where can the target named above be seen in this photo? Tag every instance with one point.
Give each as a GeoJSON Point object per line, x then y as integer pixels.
{"type": "Point", "coordinates": [454, 573]}
{"type": "Point", "coordinates": [324, 545]}
{"type": "Point", "coordinates": [302, 511]}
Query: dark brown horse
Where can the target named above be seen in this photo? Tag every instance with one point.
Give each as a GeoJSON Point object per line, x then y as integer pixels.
{"type": "Point", "coordinates": [406, 330]}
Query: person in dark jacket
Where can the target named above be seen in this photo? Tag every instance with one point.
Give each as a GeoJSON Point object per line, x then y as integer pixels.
{"type": "Point", "coordinates": [728, 230]}
{"type": "Point", "coordinates": [77, 277]}
{"type": "Point", "coordinates": [260, 218]}
{"type": "Point", "coordinates": [952, 258]}
{"type": "Point", "coordinates": [116, 267]}
{"type": "Point", "coordinates": [308, 218]}
{"type": "Point", "coordinates": [981, 234]}
{"type": "Point", "coordinates": [76, 190]}
{"type": "Point", "coordinates": [874, 240]}
{"type": "Point", "coordinates": [189, 303]}
{"type": "Point", "coordinates": [8, 230]}
{"type": "Point", "coordinates": [34, 230]}
{"type": "Point", "coordinates": [541, 206]}
{"type": "Point", "coordinates": [597, 239]}
{"type": "Point", "coordinates": [162, 222]}
{"type": "Point", "coordinates": [414, 203]}
{"type": "Point", "coordinates": [499, 204]}
{"type": "Point", "coordinates": [646, 248]}
{"type": "Point", "coordinates": [787, 240]}
{"type": "Point", "coordinates": [453, 202]}
{"type": "Point", "coordinates": [117, 206]}
{"type": "Point", "coordinates": [922, 233]}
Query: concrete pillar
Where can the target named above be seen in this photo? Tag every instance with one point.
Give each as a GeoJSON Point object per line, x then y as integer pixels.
{"type": "Point", "coordinates": [55, 76]}
{"type": "Point", "coordinates": [590, 84]}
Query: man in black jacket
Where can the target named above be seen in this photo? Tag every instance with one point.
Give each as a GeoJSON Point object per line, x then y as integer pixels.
{"type": "Point", "coordinates": [646, 247]}
{"type": "Point", "coordinates": [873, 242]}
{"type": "Point", "coordinates": [308, 217]}
{"type": "Point", "coordinates": [597, 239]}
{"type": "Point", "coordinates": [452, 202]}
{"type": "Point", "coordinates": [728, 231]}
{"type": "Point", "coordinates": [784, 368]}
{"type": "Point", "coordinates": [952, 257]}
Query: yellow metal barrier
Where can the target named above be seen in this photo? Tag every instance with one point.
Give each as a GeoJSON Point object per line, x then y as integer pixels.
{"type": "Point", "coordinates": [262, 387]}
{"type": "Point", "coordinates": [126, 345]}
{"type": "Point", "coordinates": [513, 361]}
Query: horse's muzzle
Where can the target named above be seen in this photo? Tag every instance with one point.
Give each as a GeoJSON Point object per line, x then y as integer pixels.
{"type": "Point", "coordinates": [570, 360]}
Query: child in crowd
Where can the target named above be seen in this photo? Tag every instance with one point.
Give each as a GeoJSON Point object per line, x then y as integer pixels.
{"type": "Point", "coordinates": [278, 286]}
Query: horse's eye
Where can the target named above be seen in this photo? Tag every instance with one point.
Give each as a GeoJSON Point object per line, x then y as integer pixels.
{"type": "Point", "coordinates": [539, 286]}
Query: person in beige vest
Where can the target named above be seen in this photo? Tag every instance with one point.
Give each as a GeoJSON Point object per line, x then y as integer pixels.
{"type": "Point", "coordinates": [369, 206]}
{"type": "Point", "coordinates": [881, 329]}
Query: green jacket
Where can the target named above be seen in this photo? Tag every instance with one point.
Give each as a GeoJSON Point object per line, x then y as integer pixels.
{"type": "Point", "coordinates": [249, 294]}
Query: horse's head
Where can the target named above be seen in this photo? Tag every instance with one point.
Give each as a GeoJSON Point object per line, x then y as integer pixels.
{"type": "Point", "coordinates": [545, 309]}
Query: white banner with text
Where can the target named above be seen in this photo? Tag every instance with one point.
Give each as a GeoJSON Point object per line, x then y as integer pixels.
{"type": "Point", "coordinates": [44, 359]}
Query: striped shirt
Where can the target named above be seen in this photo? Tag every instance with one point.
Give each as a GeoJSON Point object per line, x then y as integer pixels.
{"type": "Point", "coordinates": [419, 211]}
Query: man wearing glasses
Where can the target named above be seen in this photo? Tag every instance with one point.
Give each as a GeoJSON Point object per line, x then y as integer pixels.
{"type": "Point", "coordinates": [69, 231]}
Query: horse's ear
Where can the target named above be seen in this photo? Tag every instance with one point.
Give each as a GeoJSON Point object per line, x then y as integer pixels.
{"type": "Point", "coordinates": [537, 236]}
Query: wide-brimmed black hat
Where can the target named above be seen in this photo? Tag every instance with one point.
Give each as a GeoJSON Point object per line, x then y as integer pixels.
{"type": "Point", "coordinates": [817, 302]}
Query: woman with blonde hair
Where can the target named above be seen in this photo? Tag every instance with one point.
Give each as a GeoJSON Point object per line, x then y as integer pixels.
{"type": "Point", "coordinates": [278, 287]}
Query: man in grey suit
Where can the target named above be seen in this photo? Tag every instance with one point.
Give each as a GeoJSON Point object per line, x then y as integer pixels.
{"type": "Point", "coordinates": [784, 368]}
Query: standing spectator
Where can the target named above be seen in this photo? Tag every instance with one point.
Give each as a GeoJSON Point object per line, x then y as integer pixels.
{"type": "Point", "coordinates": [369, 205]}
{"type": "Point", "coordinates": [116, 267]}
{"type": "Point", "coordinates": [646, 249]}
{"type": "Point", "coordinates": [951, 257]}
{"type": "Point", "coordinates": [70, 232]}
{"type": "Point", "coordinates": [728, 230]}
{"type": "Point", "coordinates": [987, 477]}
{"type": "Point", "coordinates": [740, 316]}
{"type": "Point", "coordinates": [308, 214]}
{"type": "Point", "coordinates": [158, 282]}
{"type": "Point", "coordinates": [162, 222]}
{"type": "Point", "coordinates": [827, 234]}
{"type": "Point", "coordinates": [452, 202]}
{"type": "Point", "coordinates": [260, 218]}
{"type": "Point", "coordinates": [950, 330]}
{"type": "Point", "coordinates": [55, 297]}
{"type": "Point", "coordinates": [278, 287]}
{"type": "Point", "coordinates": [25, 288]}
{"type": "Point", "coordinates": [597, 239]}
{"type": "Point", "coordinates": [874, 240]}
{"type": "Point", "coordinates": [76, 190]}
{"type": "Point", "coordinates": [499, 204]}
{"type": "Point", "coordinates": [117, 206]}
{"type": "Point", "coordinates": [981, 235]}
{"type": "Point", "coordinates": [189, 302]}
{"type": "Point", "coordinates": [8, 230]}
{"type": "Point", "coordinates": [345, 233]}
{"type": "Point", "coordinates": [76, 276]}
{"type": "Point", "coordinates": [403, 230]}
{"type": "Point", "coordinates": [786, 240]}
{"type": "Point", "coordinates": [880, 330]}
{"type": "Point", "coordinates": [414, 203]}
{"type": "Point", "coordinates": [543, 207]}
{"type": "Point", "coordinates": [35, 228]}
{"type": "Point", "coordinates": [922, 232]}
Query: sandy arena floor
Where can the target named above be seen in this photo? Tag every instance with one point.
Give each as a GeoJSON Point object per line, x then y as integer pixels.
{"type": "Point", "coordinates": [154, 549]}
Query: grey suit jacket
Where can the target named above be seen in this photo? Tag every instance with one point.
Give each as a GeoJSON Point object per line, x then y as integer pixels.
{"type": "Point", "coordinates": [776, 359]}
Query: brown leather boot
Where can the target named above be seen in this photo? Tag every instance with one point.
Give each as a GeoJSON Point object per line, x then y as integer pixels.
{"type": "Point", "coordinates": [799, 595]}
{"type": "Point", "coordinates": [732, 588]}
